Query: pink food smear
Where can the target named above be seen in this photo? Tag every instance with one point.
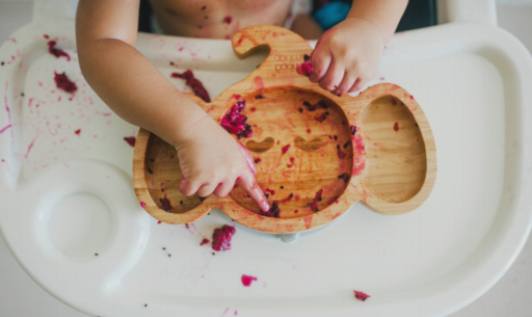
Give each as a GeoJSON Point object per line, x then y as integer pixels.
{"type": "Point", "coordinates": [221, 238]}
{"type": "Point", "coordinates": [30, 146]}
{"type": "Point", "coordinates": [64, 83]}
{"type": "Point", "coordinates": [396, 126]}
{"type": "Point", "coordinates": [235, 122]}
{"type": "Point", "coordinates": [361, 296]}
{"type": "Point", "coordinates": [285, 149]}
{"type": "Point", "coordinates": [142, 204]}
{"type": "Point", "coordinates": [359, 162]}
{"type": "Point", "coordinates": [313, 205]}
{"type": "Point", "coordinates": [305, 68]}
{"type": "Point", "coordinates": [56, 51]}
{"type": "Point", "coordinates": [247, 280]}
{"type": "Point", "coordinates": [195, 84]}
{"type": "Point", "coordinates": [5, 128]}
{"type": "Point", "coordinates": [131, 140]}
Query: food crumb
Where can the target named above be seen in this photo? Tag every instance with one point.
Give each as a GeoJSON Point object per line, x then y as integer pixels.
{"type": "Point", "coordinates": [247, 280]}
{"type": "Point", "coordinates": [221, 238]}
{"type": "Point", "coordinates": [131, 140]}
{"type": "Point", "coordinates": [361, 296]}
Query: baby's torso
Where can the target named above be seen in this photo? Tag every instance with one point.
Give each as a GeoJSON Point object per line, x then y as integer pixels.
{"type": "Point", "coordinates": [217, 18]}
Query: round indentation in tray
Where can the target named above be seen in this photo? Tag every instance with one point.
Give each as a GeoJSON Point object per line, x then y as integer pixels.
{"type": "Point", "coordinates": [163, 176]}
{"type": "Point", "coordinates": [80, 225]}
{"type": "Point", "coordinates": [301, 145]}
{"type": "Point", "coordinates": [395, 148]}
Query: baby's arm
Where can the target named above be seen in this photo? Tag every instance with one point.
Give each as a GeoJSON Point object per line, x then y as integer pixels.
{"type": "Point", "coordinates": [347, 55]}
{"type": "Point", "coordinates": [210, 159]}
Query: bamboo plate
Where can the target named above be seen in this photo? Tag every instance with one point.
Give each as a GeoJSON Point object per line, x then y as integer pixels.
{"type": "Point", "coordinates": [315, 153]}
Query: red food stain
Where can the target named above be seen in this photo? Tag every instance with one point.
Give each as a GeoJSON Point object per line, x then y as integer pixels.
{"type": "Point", "coordinates": [195, 84]}
{"type": "Point", "coordinates": [259, 84]}
{"type": "Point", "coordinates": [142, 204]}
{"type": "Point", "coordinates": [221, 238]}
{"type": "Point", "coordinates": [285, 149]}
{"type": "Point", "coordinates": [28, 149]}
{"type": "Point", "coordinates": [313, 205]}
{"type": "Point", "coordinates": [306, 67]}
{"type": "Point", "coordinates": [131, 140]}
{"type": "Point", "coordinates": [159, 222]}
{"type": "Point", "coordinates": [46, 36]}
{"type": "Point", "coordinates": [291, 163]}
{"type": "Point", "coordinates": [166, 205]}
{"type": "Point", "coordinates": [5, 128]}
{"type": "Point", "coordinates": [236, 96]}
{"type": "Point", "coordinates": [257, 160]}
{"type": "Point", "coordinates": [235, 122]}
{"type": "Point", "coordinates": [312, 107]}
{"type": "Point", "coordinates": [64, 83]}
{"type": "Point", "coordinates": [322, 117]}
{"type": "Point", "coordinates": [359, 162]}
{"type": "Point", "coordinates": [57, 52]}
{"type": "Point", "coordinates": [77, 132]}
{"type": "Point", "coordinates": [269, 191]}
{"type": "Point", "coordinates": [353, 129]}
{"type": "Point", "coordinates": [361, 296]}
{"type": "Point", "coordinates": [228, 19]}
{"type": "Point", "coordinates": [344, 177]}
{"type": "Point", "coordinates": [247, 279]}
{"type": "Point", "coordinates": [396, 126]}
{"type": "Point", "coordinates": [204, 241]}
{"type": "Point", "coordinates": [274, 211]}
{"type": "Point", "coordinates": [341, 154]}
{"type": "Point", "coordinates": [286, 199]}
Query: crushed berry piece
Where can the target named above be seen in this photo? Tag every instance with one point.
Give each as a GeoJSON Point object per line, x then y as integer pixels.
{"type": "Point", "coordinates": [235, 122]}
{"type": "Point", "coordinates": [346, 144]}
{"type": "Point", "coordinates": [341, 154]}
{"type": "Point", "coordinates": [344, 177]}
{"type": "Point", "coordinates": [236, 96]}
{"type": "Point", "coordinates": [313, 205]}
{"type": "Point", "coordinates": [77, 132]}
{"type": "Point", "coordinates": [194, 83]}
{"type": "Point", "coordinates": [285, 149]}
{"type": "Point", "coordinates": [166, 205]}
{"type": "Point", "coordinates": [292, 161]}
{"type": "Point", "coordinates": [221, 238]}
{"type": "Point", "coordinates": [322, 117]}
{"type": "Point", "coordinates": [131, 140]}
{"type": "Point", "coordinates": [247, 279]}
{"type": "Point", "coordinates": [228, 19]}
{"type": "Point", "coordinates": [259, 96]}
{"type": "Point", "coordinates": [353, 129]}
{"type": "Point", "coordinates": [257, 160]}
{"type": "Point", "coordinates": [396, 126]}
{"type": "Point", "coordinates": [204, 241]}
{"type": "Point", "coordinates": [57, 52]}
{"type": "Point", "coordinates": [64, 83]}
{"type": "Point", "coordinates": [142, 204]}
{"type": "Point", "coordinates": [274, 211]}
{"type": "Point", "coordinates": [361, 296]}
{"type": "Point", "coordinates": [269, 191]}
{"type": "Point", "coordinates": [306, 67]}
{"type": "Point", "coordinates": [159, 222]}
{"type": "Point", "coordinates": [287, 198]}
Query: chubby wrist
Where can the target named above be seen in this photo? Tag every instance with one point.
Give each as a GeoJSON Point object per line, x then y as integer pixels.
{"type": "Point", "coordinates": [370, 26]}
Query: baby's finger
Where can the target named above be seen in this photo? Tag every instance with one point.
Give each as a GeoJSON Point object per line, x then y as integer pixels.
{"type": "Point", "coordinates": [320, 59]}
{"type": "Point", "coordinates": [225, 187]}
{"type": "Point", "coordinates": [250, 185]}
{"type": "Point", "coordinates": [347, 82]}
{"type": "Point", "coordinates": [334, 75]}
{"type": "Point", "coordinates": [356, 85]}
{"type": "Point", "coordinates": [248, 158]}
{"type": "Point", "coordinates": [189, 187]}
{"type": "Point", "coordinates": [207, 189]}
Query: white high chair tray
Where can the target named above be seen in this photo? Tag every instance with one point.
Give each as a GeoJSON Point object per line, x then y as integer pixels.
{"type": "Point", "coordinates": [70, 216]}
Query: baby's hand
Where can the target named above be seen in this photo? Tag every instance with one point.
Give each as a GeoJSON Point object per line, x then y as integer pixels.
{"type": "Point", "coordinates": [347, 56]}
{"type": "Point", "coordinates": [212, 162]}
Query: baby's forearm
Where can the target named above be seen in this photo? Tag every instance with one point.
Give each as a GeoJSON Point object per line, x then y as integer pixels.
{"type": "Point", "coordinates": [124, 78]}
{"type": "Point", "coordinates": [384, 14]}
{"type": "Point", "coordinates": [135, 90]}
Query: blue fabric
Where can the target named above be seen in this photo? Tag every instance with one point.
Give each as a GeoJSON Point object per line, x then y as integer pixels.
{"type": "Point", "coordinates": [331, 13]}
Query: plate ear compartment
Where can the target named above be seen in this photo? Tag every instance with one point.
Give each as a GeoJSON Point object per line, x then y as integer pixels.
{"type": "Point", "coordinates": [400, 164]}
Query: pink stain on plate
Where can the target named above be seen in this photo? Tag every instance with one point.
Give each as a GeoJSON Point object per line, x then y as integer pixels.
{"type": "Point", "coordinates": [5, 128]}
{"type": "Point", "coordinates": [247, 280]}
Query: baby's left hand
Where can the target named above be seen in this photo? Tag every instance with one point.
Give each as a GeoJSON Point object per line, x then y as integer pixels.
{"type": "Point", "coordinates": [347, 56]}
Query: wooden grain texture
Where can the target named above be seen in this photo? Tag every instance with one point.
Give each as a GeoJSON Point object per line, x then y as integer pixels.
{"type": "Point", "coordinates": [316, 153]}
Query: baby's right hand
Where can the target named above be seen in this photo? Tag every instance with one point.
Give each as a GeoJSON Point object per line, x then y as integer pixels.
{"type": "Point", "coordinates": [212, 162]}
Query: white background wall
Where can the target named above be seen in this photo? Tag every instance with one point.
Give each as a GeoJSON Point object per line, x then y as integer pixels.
{"type": "Point", "coordinates": [20, 296]}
